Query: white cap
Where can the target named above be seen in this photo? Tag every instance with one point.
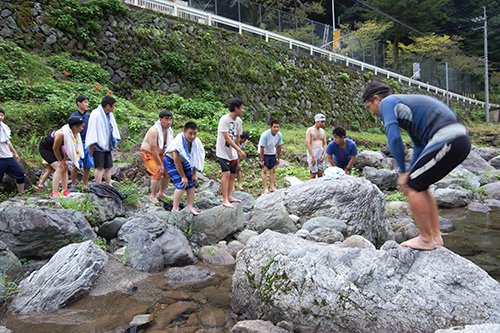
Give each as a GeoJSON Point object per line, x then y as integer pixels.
{"type": "Point", "coordinates": [319, 117]}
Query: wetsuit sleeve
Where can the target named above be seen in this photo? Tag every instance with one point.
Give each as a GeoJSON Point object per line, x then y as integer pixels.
{"type": "Point", "coordinates": [417, 151]}
{"type": "Point", "coordinates": [386, 110]}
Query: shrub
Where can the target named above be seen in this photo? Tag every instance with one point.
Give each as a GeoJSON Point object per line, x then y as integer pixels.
{"type": "Point", "coordinates": [78, 70]}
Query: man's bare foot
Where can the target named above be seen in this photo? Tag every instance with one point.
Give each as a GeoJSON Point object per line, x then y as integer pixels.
{"type": "Point", "coordinates": [234, 200]}
{"type": "Point", "coordinates": [240, 188]}
{"type": "Point", "coordinates": [227, 204]}
{"type": "Point", "coordinates": [272, 189]}
{"type": "Point", "coordinates": [153, 199]}
{"type": "Point", "coordinates": [266, 191]}
{"type": "Point", "coordinates": [161, 196]}
{"type": "Point", "coordinates": [438, 241]}
{"type": "Point", "coordinates": [418, 244]}
{"type": "Point", "coordinates": [193, 210]}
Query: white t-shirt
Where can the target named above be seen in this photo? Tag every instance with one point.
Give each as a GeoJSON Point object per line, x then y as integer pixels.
{"type": "Point", "coordinates": [5, 151]}
{"type": "Point", "coordinates": [269, 142]}
{"type": "Point", "coordinates": [234, 128]}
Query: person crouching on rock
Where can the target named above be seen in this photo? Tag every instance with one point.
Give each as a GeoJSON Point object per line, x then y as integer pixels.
{"type": "Point", "coordinates": [185, 156]}
{"type": "Point", "coordinates": [441, 143]}
{"type": "Point", "coordinates": [52, 151]}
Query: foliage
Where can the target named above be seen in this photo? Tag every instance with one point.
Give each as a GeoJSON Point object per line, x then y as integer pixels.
{"type": "Point", "coordinates": [130, 189]}
{"type": "Point", "coordinates": [85, 205]}
{"type": "Point", "coordinates": [78, 70]}
{"type": "Point", "coordinates": [9, 288]}
{"type": "Point", "coordinates": [99, 242]}
{"type": "Point", "coordinates": [396, 196]}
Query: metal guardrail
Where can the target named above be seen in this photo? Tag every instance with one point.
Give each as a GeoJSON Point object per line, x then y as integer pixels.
{"type": "Point", "coordinates": [185, 12]}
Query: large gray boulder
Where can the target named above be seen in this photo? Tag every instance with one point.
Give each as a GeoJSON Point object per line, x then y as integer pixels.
{"type": "Point", "coordinates": [384, 179]}
{"type": "Point", "coordinates": [475, 163]}
{"type": "Point", "coordinates": [354, 200]}
{"type": "Point", "coordinates": [369, 158]}
{"type": "Point", "coordinates": [10, 265]}
{"type": "Point", "coordinates": [270, 212]}
{"type": "Point", "coordinates": [453, 197]}
{"type": "Point", "coordinates": [488, 153]}
{"type": "Point", "coordinates": [495, 162]}
{"type": "Point", "coordinates": [175, 248]}
{"type": "Point", "coordinates": [37, 233]}
{"type": "Point", "coordinates": [154, 226]}
{"type": "Point", "coordinates": [67, 276]}
{"type": "Point", "coordinates": [326, 288]}
{"type": "Point", "coordinates": [144, 255]}
{"type": "Point", "coordinates": [218, 223]}
{"type": "Point", "coordinates": [492, 189]}
{"type": "Point", "coordinates": [106, 209]}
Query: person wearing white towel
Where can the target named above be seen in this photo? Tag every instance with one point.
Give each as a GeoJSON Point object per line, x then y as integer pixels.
{"type": "Point", "coordinates": [102, 137]}
{"type": "Point", "coordinates": [153, 148]}
{"type": "Point", "coordinates": [9, 160]}
{"type": "Point", "coordinates": [185, 156]}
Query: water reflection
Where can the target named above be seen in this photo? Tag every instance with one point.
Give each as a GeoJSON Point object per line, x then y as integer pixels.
{"type": "Point", "coordinates": [476, 237]}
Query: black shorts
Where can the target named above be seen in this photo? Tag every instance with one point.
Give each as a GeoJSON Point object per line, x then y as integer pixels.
{"type": "Point", "coordinates": [103, 159]}
{"type": "Point", "coordinates": [47, 151]}
{"type": "Point", "coordinates": [436, 163]}
{"type": "Point", "coordinates": [227, 165]}
{"type": "Point", "coordinates": [270, 161]}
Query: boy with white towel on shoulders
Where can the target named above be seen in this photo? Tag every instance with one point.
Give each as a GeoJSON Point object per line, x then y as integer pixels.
{"type": "Point", "coordinates": [102, 137]}
{"type": "Point", "coordinates": [185, 156]}
{"type": "Point", "coordinates": [153, 148]}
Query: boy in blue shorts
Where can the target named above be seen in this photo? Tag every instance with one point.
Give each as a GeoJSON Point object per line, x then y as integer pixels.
{"type": "Point", "coordinates": [440, 144]}
{"type": "Point", "coordinates": [269, 153]}
{"type": "Point", "coordinates": [184, 156]}
{"type": "Point", "coordinates": [342, 151]}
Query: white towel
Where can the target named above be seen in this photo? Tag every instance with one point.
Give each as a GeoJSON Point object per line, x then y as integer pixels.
{"type": "Point", "coordinates": [333, 173]}
{"type": "Point", "coordinates": [4, 132]}
{"type": "Point", "coordinates": [99, 133]}
{"type": "Point", "coordinates": [197, 157]}
{"type": "Point", "coordinates": [73, 146]}
{"type": "Point", "coordinates": [170, 135]}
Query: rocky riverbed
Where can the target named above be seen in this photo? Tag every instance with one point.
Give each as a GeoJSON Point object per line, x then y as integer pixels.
{"type": "Point", "coordinates": [318, 255]}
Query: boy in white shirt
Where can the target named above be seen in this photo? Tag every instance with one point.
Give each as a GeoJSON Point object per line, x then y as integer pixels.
{"type": "Point", "coordinates": [227, 148]}
{"type": "Point", "coordinates": [269, 153]}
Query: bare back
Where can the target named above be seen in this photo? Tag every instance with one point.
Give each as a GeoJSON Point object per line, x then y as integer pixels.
{"type": "Point", "coordinates": [315, 136]}
{"type": "Point", "coordinates": [150, 141]}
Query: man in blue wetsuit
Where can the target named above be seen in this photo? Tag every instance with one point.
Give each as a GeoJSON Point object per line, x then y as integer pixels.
{"type": "Point", "coordinates": [342, 151]}
{"type": "Point", "coordinates": [440, 144]}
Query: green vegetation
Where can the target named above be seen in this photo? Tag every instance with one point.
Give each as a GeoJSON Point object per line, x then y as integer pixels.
{"type": "Point", "coordinates": [395, 196]}
{"type": "Point", "coordinates": [9, 288]}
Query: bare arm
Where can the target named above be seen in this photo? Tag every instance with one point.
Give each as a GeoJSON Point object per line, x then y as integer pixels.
{"type": "Point", "coordinates": [324, 147]}
{"type": "Point", "coordinates": [309, 148]}
{"type": "Point", "coordinates": [261, 156]}
{"type": "Point", "coordinates": [16, 157]}
{"type": "Point", "coordinates": [330, 159]}
{"type": "Point", "coordinates": [233, 144]}
{"type": "Point", "coordinates": [278, 154]}
{"type": "Point", "coordinates": [350, 164]}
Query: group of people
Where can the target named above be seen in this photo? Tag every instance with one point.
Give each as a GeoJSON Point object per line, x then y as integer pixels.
{"type": "Point", "coordinates": [85, 142]}
{"type": "Point", "coordinates": [440, 144]}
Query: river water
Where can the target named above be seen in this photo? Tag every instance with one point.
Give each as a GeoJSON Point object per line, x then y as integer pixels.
{"type": "Point", "coordinates": [476, 237]}
{"type": "Point", "coordinates": [205, 306]}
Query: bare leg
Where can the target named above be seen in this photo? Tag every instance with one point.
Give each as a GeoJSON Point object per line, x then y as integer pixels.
{"type": "Point", "coordinates": [264, 179]}
{"type": "Point", "coordinates": [434, 217]}
{"type": "Point", "coordinates": [64, 179]}
{"type": "Point", "coordinates": [107, 176]}
{"type": "Point", "coordinates": [177, 199]}
{"type": "Point", "coordinates": [58, 174]}
{"type": "Point", "coordinates": [74, 173]}
{"type": "Point", "coordinates": [190, 198]}
{"type": "Point", "coordinates": [312, 175]}
{"type": "Point", "coordinates": [272, 177]}
{"type": "Point", "coordinates": [163, 188]}
{"type": "Point", "coordinates": [20, 188]}
{"type": "Point", "coordinates": [224, 184]}
{"type": "Point", "coordinates": [320, 173]}
{"type": "Point", "coordinates": [155, 183]}
{"type": "Point", "coordinates": [86, 174]}
{"type": "Point", "coordinates": [46, 175]}
{"type": "Point", "coordinates": [230, 186]}
{"type": "Point", "coordinates": [420, 210]}
{"type": "Point", "coordinates": [238, 176]}
{"type": "Point", "coordinates": [98, 174]}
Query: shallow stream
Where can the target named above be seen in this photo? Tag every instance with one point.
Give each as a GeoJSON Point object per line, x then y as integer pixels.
{"type": "Point", "coordinates": [205, 305]}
